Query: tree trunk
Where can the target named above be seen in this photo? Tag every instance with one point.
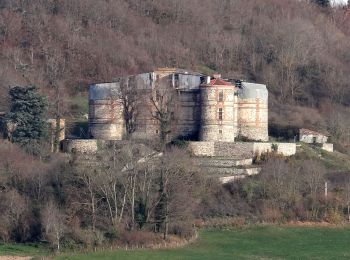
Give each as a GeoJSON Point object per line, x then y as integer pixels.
{"type": "Point", "coordinates": [122, 208]}
{"type": "Point", "coordinates": [58, 122]}
{"type": "Point", "coordinates": [133, 183]}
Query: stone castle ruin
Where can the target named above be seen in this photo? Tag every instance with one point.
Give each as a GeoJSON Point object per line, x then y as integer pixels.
{"type": "Point", "coordinates": [203, 108]}
{"type": "Point", "coordinates": [226, 121]}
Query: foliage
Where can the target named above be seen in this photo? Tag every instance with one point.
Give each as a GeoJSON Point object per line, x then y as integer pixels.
{"type": "Point", "coordinates": [27, 115]}
{"type": "Point", "coordinates": [298, 49]}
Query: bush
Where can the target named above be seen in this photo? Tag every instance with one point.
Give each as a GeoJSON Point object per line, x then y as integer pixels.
{"type": "Point", "coordinates": [138, 238]}
{"type": "Point", "coordinates": [182, 229]}
{"type": "Point", "coordinates": [333, 216]}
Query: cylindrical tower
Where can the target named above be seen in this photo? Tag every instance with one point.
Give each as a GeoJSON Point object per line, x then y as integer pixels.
{"type": "Point", "coordinates": [106, 119]}
{"type": "Point", "coordinates": [218, 117]}
{"type": "Point", "coordinates": [253, 111]}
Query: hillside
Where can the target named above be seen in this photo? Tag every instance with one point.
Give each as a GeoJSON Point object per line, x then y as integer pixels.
{"type": "Point", "coordinates": [300, 50]}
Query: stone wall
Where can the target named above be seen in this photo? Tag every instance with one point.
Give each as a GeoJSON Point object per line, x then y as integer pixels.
{"type": "Point", "coordinates": [286, 149]}
{"type": "Point", "coordinates": [218, 117]}
{"type": "Point", "coordinates": [253, 119]}
{"type": "Point", "coordinates": [81, 146]}
{"type": "Point", "coordinates": [327, 147]}
{"type": "Point", "coordinates": [106, 119]}
{"type": "Point", "coordinates": [313, 138]}
{"type": "Point", "coordinates": [202, 148]}
{"type": "Point", "coordinates": [239, 149]}
{"type": "Point", "coordinates": [236, 150]}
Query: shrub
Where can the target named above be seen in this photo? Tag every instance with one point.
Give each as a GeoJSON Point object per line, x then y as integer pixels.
{"type": "Point", "coordinates": [138, 238]}
{"type": "Point", "coordinates": [333, 216]}
{"type": "Point", "coordinates": [182, 229]}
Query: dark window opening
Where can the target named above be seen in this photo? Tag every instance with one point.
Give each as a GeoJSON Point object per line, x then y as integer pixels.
{"type": "Point", "coordinates": [220, 113]}
{"type": "Point", "coordinates": [221, 95]}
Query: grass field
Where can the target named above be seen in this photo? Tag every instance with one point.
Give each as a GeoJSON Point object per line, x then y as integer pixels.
{"type": "Point", "coordinates": [255, 242]}
{"type": "Point", "coordinates": [22, 250]}
{"type": "Point", "coordinates": [258, 242]}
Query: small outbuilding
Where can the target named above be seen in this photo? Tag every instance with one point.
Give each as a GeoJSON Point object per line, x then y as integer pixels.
{"type": "Point", "coordinates": [312, 137]}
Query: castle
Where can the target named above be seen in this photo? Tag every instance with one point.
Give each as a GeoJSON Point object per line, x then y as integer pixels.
{"type": "Point", "coordinates": [205, 108]}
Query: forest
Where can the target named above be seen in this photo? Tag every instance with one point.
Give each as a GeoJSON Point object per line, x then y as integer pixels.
{"type": "Point", "coordinates": [299, 49]}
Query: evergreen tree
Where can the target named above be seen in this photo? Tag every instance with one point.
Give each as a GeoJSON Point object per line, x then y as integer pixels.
{"type": "Point", "coordinates": [27, 116]}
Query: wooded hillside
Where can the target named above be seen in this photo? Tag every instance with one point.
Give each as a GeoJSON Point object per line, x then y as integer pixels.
{"type": "Point", "coordinates": [299, 49]}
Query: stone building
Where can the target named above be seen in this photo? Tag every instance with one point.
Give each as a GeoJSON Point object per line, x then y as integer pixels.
{"type": "Point", "coordinates": [205, 108]}
{"type": "Point", "coordinates": [312, 137]}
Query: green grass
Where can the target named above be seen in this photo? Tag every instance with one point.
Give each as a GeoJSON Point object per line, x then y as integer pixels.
{"type": "Point", "coordinates": [22, 250]}
{"type": "Point", "coordinates": [335, 161]}
{"type": "Point", "coordinates": [257, 242]}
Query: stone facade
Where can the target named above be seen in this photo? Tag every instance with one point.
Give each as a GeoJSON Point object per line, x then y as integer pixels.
{"type": "Point", "coordinates": [219, 113]}
{"type": "Point", "coordinates": [328, 147]}
{"type": "Point", "coordinates": [253, 119]}
{"type": "Point", "coordinates": [80, 146]}
{"type": "Point", "coordinates": [312, 137]}
{"type": "Point", "coordinates": [105, 112]}
{"type": "Point", "coordinates": [240, 149]}
{"type": "Point", "coordinates": [207, 108]}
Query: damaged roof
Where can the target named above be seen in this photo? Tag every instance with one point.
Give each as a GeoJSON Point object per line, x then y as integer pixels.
{"type": "Point", "coordinates": [304, 131]}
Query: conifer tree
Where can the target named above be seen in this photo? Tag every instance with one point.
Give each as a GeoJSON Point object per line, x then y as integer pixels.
{"type": "Point", "coordinates": [27, 116]}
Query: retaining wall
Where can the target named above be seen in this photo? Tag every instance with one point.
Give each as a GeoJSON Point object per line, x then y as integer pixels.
{"type": "Point", "coordinates": [81, 146]}
{"type": "Point", "coordinates": [240, 149]}
{"type": "Point", "coordinates": [328, 147]}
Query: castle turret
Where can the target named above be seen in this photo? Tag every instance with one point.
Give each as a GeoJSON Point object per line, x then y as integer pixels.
{"type": "Point", "coordinates": [218, 112]}
{"type": "Point", "coordinates": [106, 119]}
{"type": "Point", "coordinates": [253, 111]}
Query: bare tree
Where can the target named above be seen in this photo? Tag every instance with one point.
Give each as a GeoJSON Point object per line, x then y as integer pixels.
{"type": "Point", "coordinates": [176, 179]}
{"type": "Point", "coordinates": [89, 178]}
{"type": "Point", "coordinates": [55, 64]}
{"type": "Point", "coordinates": [54, 223]}
{"type": "Point", "coordinates": [164, 108]}
{"type": "Point", "coordinates": [130, 103]}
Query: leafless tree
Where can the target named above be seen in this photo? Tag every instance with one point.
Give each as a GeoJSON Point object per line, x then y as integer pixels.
{"type": "Point", "coordinates": [130, 102]}
{"type": "Point", "coordinates": [54, 223]}
{"type": "Point", "coordinates": [164, 108]}
{"type": "Point", "coordinates": [55, 64]}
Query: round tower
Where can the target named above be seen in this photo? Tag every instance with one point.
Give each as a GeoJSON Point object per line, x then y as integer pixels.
{"type": "Point", "coordinates": [218, 113]}
{"type": "Point", "coordinates": [106, 119]}
{"type": "Point", "coordinates": [253, 111]}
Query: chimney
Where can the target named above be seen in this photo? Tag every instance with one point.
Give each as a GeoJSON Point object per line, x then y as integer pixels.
{"type": "Point", "coordinates": [207, 80]}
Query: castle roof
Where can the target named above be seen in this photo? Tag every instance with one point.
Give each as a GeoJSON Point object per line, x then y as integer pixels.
{"type": "Point", "coordinates": [304, 131]}
{"type": "Point", "coordinates": [220, 82]}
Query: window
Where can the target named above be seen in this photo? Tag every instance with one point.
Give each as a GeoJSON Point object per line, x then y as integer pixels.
{"type": "Point", "coordinates": [177, 80]}
{"type": "Point", "coordinates": [220, 113]}
{"type": "Point", "coordinates": [220, 131]}
{"type": "Point", "coordinates": [221, 95]}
